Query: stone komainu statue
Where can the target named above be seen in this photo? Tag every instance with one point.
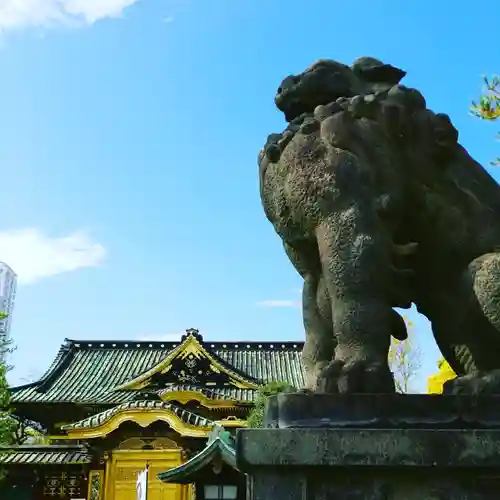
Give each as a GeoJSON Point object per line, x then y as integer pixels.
{"type": "Point", "coordinates": [379, 206]}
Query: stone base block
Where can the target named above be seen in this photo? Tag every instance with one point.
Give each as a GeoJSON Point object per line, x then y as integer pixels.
{"type": "Point", "coordinates": [451, 451]}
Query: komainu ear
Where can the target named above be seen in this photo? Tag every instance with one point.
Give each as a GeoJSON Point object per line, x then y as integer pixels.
{"type": "Point", "coordinates": [374, 71]}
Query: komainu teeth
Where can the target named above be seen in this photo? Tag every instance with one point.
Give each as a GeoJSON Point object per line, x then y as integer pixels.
{"type": "Point", "coordinates": [406, 249]}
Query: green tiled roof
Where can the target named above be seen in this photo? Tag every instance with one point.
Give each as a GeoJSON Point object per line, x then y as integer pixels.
{"type": "Point", "coordinates": [87, 372]}
{"type": "Point", "coordinates": [220, 444]}
{"type": "Point", "coordinates": [96, 420]}
{"type": "Point", "coordinates": [229, 393]}
{"type": "Point", "coordinates": [45, 455]}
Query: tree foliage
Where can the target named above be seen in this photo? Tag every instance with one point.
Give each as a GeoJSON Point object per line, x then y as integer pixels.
{"type": "Point", "coordinates": [405, 360]}
{"type": "Point", "coordinates": [5, 345]}
{"type": "Point", "coordinates": [488, 107]}
{"type": "Point", "coordinates": [256, 416]}
{"type": "Point", "coordinates": [435, 382]}
{"type": "Point", "coordinates": [7, 424]}
{"type": "Point", "coordinates": [13, 430]}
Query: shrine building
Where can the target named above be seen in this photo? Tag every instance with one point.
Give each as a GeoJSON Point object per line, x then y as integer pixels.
{"type": "Point", "coordinates": [112, 408]}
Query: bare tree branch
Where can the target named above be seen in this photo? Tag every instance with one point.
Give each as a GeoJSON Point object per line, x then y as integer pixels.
{"type": "Point", "coordinates": [405, 360]}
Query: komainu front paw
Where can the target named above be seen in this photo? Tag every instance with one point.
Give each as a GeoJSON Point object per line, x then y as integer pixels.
{"type": "Point", "coordinates": [358, 376]}
{"type": "Point", "coordinates": [483, 384]}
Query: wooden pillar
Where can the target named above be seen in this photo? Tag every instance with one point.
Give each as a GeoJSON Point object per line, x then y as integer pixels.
{"type": "Point", "coordinates": [107, 472]}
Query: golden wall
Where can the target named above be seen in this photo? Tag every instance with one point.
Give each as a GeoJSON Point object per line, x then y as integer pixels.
{"type": "Point", "coordinates": [123, 466]}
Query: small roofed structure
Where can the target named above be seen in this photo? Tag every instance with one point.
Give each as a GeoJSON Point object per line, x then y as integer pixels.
{"type": "Point", "coordinates": [213, 470]}
{"type": "Point", "coordinates": [220, 448]}
{"type": "Point", "coordinates": [26, 463]}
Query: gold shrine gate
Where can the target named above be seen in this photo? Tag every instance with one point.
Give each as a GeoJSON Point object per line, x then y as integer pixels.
{"type": "Point", "coordinates": [124, 466]}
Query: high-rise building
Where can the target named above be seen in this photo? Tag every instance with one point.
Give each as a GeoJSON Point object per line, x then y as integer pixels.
{"type": "Point", "coordinates": [8, 283]}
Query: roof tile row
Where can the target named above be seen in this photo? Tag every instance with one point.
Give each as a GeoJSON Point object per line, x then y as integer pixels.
{"type": "Point", "coordinates": [186, 416]}
{"type": "Point", "coordinates": [45, 455]}
{"type": "Point", "coordinates": [90, 372]}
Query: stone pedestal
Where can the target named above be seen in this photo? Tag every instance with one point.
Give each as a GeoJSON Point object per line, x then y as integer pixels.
{"type": "Point", "coordinates": [321, 447]}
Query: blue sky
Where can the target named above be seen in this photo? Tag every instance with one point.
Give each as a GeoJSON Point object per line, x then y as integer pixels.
{"type": "Point", "coordinates": [129, 145]}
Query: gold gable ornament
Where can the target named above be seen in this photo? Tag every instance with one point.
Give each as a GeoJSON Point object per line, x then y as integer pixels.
{"type": "Point", "coordinates": [189, 362]}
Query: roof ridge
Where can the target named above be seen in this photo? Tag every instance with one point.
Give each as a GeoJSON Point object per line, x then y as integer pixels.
{"type": "Point", "coordinates": [102, 344]}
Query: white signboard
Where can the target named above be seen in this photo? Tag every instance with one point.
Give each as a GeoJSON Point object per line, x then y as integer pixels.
{"type": "Point", "coordinates": [142, 485]}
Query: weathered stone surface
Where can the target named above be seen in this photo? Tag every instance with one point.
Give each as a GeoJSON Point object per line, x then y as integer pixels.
{"type": "Point", "coordinates": [368, 448]}
{"type": "Point", "coordinates": [399, 464]}
{"type": "Point", "coordinates": [365, 486]}
{"type": "Point", "coordinates": [379, 410]}
{"type": "Point", "coordinates": [373, 447]}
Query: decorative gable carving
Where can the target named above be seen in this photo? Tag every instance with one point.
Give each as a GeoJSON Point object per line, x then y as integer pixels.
{"type": "Point", "coordinates": [190, 369]}
{"type": "Point", "coordinates": [190, 363]}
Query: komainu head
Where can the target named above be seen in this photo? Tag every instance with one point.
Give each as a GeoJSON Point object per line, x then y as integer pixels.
{"type": "Point", "coordinates": [326, 81]}
{"type": "Point", "coordinates": [367, 89]}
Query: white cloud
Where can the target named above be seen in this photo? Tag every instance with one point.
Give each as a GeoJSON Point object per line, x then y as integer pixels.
{"type": "Point", "coordinates": [42, 13]}
{"type": "Point", "coordinates": [34, 255]}
{"type": "Point", "coordinates": [279, 303]}
{"type": "Point", "coordinates": [168, 20]}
